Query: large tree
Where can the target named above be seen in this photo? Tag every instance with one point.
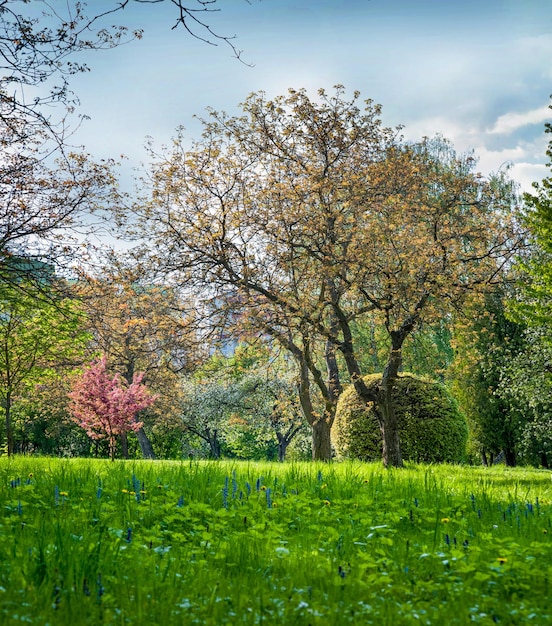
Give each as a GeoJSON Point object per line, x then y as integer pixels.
{"type": "Point", "coordinates": [315, 217]}
{"type": "Point", "coordinates": [535, 305]}
{"type": "Point", "coordinates": [140, 326]}
{"type": "Point", "coordinates": [42, 200]}
{"type": "Point", "coordinates": [486, 344]}
{"type": "Point", "coordinates": [39, 338]}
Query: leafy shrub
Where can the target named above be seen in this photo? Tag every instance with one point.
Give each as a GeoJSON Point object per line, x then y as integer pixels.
{"type": "Point", "coordinates": [432, 428]}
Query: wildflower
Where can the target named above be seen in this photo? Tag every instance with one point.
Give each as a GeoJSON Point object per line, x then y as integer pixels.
{"type": "Point", "coordinates": [544, 531]}
{"type": "Point", "coordinates": [225, 494]}
{"type": "Point", "coordinates": [445, 520]}
{"type": "Point", "coordinates": [324, 486]}
{"type": "Point", "coordinates": [129, 535]}
{"type": "Point", "coordinates": [31, 475]}
{"type": "Point", "coordinates": [99, 493]}
{"type": "Point", "coordinates": [327, 502]}
{"type": "Point", "coordinates": [64, 494]}
{"type": "Point", "coordinates": [263, 487]}
{"type": "Point", "coordinates": [269, 498]}
{"type": "Point", "coordinates": [125, 491]}
{"type": "Point", "coordinates": [248, 488]}
{"type": "Point", "coordinates": [502, 560]}
{"type": "Point", "coordinates": [180, 502]}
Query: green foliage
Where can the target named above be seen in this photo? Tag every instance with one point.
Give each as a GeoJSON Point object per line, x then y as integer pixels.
{"type": "Point", "coordinates": [229, 543]}
{"type": "Point", "coordinates": [486, 341]}
{"type": "Point", "coordinates": [431, 427]}
{"type": "Point", "coordinates": [536, 305]}
{"type": "Point", "coordinates": [526, 383]}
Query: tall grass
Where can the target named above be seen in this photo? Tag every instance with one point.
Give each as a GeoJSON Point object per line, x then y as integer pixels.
{"type": "Point", "coordinates": [94, 542]}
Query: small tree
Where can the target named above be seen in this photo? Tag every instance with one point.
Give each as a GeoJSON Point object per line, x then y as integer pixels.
{"type": "Point", "coordinates": [105, 407]}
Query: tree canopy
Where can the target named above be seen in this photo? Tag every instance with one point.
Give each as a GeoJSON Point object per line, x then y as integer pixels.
{"type": "Point", "coordinates": [312, 215]}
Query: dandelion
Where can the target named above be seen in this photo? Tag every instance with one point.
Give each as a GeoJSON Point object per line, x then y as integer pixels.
{"type": "Point", "coordinates": [31, 474]}
{"type": "Point", "coordinates": [263, 487]}
{"type": "Point", "coordinates": [63, 494]}
{"type": "Point", "coordinates": [445, 520]}
{"type": "Point", "coordinates": [125, 491]}
{"type": "Point", "coordinates": [502, 560]}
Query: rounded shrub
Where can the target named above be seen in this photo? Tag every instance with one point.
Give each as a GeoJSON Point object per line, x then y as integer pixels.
{"type": "Point", "coordinates": [431, 427]}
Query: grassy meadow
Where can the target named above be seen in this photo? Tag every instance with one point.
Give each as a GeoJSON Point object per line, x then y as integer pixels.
{"type": "Point", "coordinates": [211, 543]}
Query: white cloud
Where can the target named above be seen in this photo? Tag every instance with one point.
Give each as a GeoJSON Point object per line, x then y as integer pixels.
{"type": "Point", "coordinates": [510, 122]}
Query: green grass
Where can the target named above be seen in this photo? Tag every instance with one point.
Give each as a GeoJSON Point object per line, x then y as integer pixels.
{"type": "Point", "coordinates": [94, 542]}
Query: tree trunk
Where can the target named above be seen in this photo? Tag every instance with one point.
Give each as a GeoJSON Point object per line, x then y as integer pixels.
{"type": "Point", "coordinates": [389, 426]}
{"type": "Point", "coordinates": [510, 457]}
{"type": "Point", "coordinates": [214, 445]}
{"type": "Point", "coordinates": [9, 427]}
{"type": "Point", "coordinates": [283, 443]}
{"type": "Point", "coordinates": [321, 442]}
{"type": "Point", "coordinates": [145, 444]}
{"type": "Point", "coordinates": [124, 445]}
{"type": "Point", "coordinates": [484, 459]}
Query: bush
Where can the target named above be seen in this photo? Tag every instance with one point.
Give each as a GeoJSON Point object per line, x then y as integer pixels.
{"type": "Point", "coordinates": [431, 427]}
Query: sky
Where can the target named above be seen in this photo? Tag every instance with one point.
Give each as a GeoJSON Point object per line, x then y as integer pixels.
{"type": "Point", "coordinates": [478, 72]}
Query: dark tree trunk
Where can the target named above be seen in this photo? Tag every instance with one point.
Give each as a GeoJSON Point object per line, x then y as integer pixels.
{"type": "Point", "coordinates": [9, 427]}
{"type": "Point", "coordinates": [214, 445]}
{"type": "Point", "coordinates": [321, 441]}
{"type": "Point", "coordinates": [124, 445]}
{"type": "Point", "coordinates": [484, 459]}
{"type": "Point", "coordinates": [510, 457]}
{"type": "Point", "coordinates": [389, 426]}
{"type": "Point", "coordinates": [145, 444]}
{"type": "Point", "coordinates": [283, 444]}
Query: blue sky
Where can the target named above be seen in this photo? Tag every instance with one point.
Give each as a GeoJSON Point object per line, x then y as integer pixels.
{"type": "Point", "coordinates": [477, 71]}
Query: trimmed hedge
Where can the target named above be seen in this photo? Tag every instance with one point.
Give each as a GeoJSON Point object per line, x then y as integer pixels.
{"type": "Point", "coordinates": [431, 427]}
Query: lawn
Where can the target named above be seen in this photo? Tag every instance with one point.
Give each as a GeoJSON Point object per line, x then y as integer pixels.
{"type": "Point", "coordinates": [211, 543]}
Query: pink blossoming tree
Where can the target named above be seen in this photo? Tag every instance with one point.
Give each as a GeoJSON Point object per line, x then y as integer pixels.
{"type": "Point", "coordinates": [105, 406]}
